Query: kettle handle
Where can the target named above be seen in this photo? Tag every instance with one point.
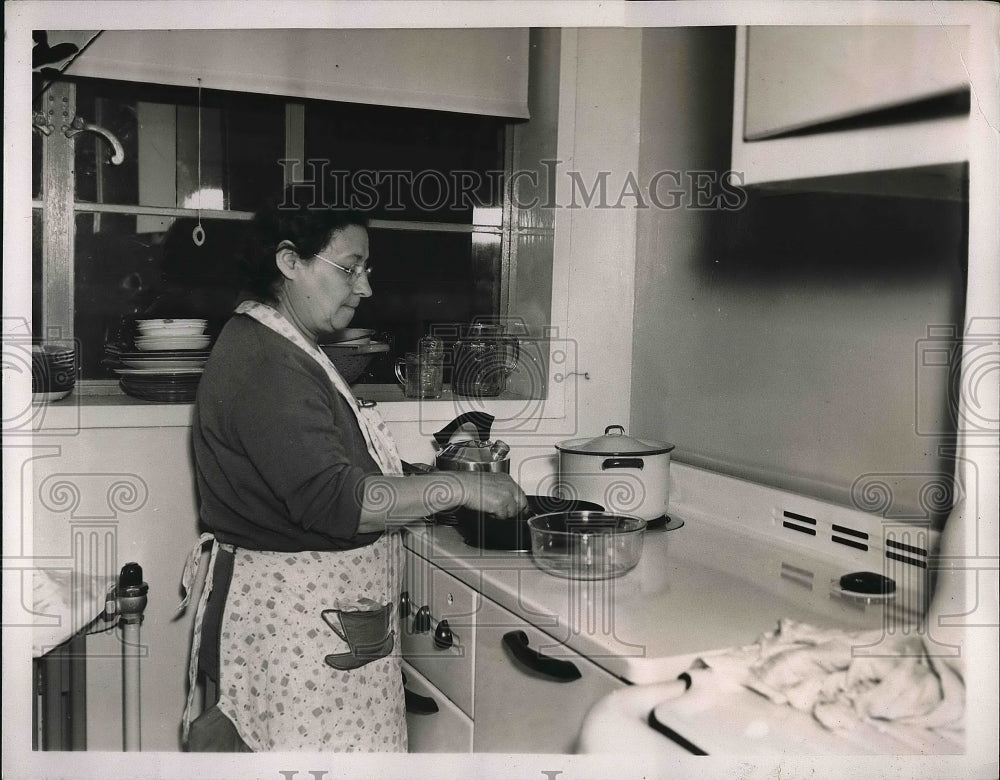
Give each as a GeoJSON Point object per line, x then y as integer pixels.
{"type": "Point", "coordinates": [482, 421]}
{"type": "Point", "coordinates": [619, 428]}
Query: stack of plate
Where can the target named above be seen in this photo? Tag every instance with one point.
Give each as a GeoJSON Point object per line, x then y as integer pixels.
{"type": "Point", "coordinates": [53, 371]}
{"type": "Point", "coordinates": [161, 335]}
{"type": "Point", "coordinates": [166, 363]}
{"type": "Point", "coordinates": [178, 386]}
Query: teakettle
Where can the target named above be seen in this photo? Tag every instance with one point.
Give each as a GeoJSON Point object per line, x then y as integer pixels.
{"type": "Point", "coordinates": [471, 454]}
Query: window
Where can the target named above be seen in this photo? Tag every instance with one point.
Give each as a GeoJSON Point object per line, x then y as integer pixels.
{"type": "Point", "coordinates": [114, 242]}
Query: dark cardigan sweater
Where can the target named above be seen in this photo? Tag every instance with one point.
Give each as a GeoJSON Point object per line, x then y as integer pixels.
{"type": "Point", "coordinates": [279, 456]}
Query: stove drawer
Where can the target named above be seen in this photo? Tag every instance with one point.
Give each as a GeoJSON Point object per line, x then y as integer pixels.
{"type": "Point", "coordinates": [524, 705]}
{"type": "Point", "coordinates": [438, 635]}
{"type": "Point", "coordinates": [449, 730]}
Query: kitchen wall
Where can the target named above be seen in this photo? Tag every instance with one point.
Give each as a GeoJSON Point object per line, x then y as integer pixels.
{"type": "Point", "coordinates": [781, 341]}
{"type": "Point", "coordinates": [592, 294]}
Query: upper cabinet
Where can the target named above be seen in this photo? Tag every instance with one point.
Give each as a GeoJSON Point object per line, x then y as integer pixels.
{"type": "Point", "coordinates": [826, 101]}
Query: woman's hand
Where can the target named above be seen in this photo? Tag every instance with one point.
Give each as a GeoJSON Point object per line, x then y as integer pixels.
{"type": "Point", "coordinates": [393, 500]}
{"type": "Point", "coordinates": [491, 493]}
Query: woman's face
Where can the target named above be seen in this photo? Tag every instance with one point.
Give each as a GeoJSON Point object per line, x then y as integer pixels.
{"type": "Point", "coordinates": [318, 297]}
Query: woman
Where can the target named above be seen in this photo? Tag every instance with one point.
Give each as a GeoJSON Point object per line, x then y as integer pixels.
{"type": "Point", "coordinates": [300, 490]}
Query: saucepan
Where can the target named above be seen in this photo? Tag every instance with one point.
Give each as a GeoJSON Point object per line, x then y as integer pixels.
{"type": "Point", "coordinates": [586, 545]}
{"type": "Point", "coordinates": [490, 532]}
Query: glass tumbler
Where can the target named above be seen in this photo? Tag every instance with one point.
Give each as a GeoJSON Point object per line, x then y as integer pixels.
{"type": "Point", "coordinates": [420, 375]}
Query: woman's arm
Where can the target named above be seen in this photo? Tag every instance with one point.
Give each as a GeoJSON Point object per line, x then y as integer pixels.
{"type": "Point", "coordinates": [396, 500]}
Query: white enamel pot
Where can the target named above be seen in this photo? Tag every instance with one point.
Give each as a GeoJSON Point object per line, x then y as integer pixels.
{"type": "Point", "coordinates": [623, 474]}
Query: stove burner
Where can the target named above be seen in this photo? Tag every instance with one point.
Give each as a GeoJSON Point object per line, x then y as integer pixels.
{"type": "Point", "coordinates": [664, 523]}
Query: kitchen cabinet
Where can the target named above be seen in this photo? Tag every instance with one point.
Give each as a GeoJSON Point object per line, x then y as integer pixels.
{"type": "Point", "coordinates": [479, 663]}
{"type": "Point", "coordinates": [527, 704]}
{"type": "Point", "coordinates": [826, 101]}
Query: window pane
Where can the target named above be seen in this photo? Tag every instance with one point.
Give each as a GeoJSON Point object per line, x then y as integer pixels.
{"type": "Point", "coordinates": [424, 280]}
{"type": "Point", "coordinates": [122, 273]}
{"type": "Point", "coordinates": [242, 139]}
{"type": "Point", "coordinates": [403, 163]}
{"type": "Point", "coordinates": [97, 181]}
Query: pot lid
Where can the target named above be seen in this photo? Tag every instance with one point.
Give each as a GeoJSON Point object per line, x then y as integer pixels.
{"type": "Point", "coordinates": [614, 442]}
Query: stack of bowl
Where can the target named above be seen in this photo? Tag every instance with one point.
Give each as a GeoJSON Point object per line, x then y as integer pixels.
{"type": "Point", "coordinates": [170, 334]}
{"type": "Point", "coordinates": [53, 371]}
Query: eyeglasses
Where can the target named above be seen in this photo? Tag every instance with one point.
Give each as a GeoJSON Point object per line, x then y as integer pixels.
{"type": "Point", "coordinates": [354, 273]}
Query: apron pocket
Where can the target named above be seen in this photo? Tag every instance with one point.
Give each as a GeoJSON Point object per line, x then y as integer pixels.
{"type": "Point", "coordinates": [366, 632]}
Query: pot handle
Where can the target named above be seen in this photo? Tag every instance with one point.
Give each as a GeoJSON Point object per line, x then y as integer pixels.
{"type": "Point", "coordinates": [619, 430]}
{"type": "Point", "coordinates": [553, 668]}
{"type": "Point", "coordinates": [622, 463]}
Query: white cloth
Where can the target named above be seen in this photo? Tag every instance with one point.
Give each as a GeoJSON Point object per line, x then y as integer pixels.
{"type": "Point", "coordinates": [275, 685]}
{"type": "Point", "coordinates": [64, 602]}
{"type": "Point", "coordinates": [816, 671]}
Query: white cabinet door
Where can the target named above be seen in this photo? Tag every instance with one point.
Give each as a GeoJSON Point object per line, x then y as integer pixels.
{"type": "Point", "coordinates": [802, 76]}
{"type": "Point", "coordinates": [526, 703]}
{"type": "Point", "coordinates": [448, 730]}
{"type": "Point", "coordinates": [799, 78]}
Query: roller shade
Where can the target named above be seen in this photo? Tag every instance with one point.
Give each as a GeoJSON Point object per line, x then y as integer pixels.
{"type": "Point", "coordinates": [475, 71]}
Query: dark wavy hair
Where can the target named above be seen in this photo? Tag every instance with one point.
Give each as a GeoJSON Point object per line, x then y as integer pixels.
{"type": "Point", "coordinates": [289, 217]}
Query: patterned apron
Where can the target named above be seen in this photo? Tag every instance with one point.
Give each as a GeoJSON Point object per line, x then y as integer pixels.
{"type": "Point", "coordinates": [309, 656]}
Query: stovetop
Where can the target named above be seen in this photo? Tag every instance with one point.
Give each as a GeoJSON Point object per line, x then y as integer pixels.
{"type": "Point", "coordinates": [739, 563]}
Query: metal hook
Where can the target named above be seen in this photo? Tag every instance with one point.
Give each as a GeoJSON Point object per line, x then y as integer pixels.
{"type": "Point", "coordinates": [79, 125]}
{"type": "Point", "coordinates": [41, 124]}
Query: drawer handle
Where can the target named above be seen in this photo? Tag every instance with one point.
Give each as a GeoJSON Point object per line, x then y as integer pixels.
{"type": "Point", "coordinates": [417, 704]}
{"type": "Point", "coordinates": [553, 668]}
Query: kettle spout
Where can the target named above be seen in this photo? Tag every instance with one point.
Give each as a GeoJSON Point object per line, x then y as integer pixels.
{"type": "Point", "coordinates": [499, 450]}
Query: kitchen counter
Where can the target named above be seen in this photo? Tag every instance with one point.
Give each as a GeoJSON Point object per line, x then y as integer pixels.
{"type": "Point", "coordinates": [100, 404]}
{"type": "Point", "coordinates": [702, 587]}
